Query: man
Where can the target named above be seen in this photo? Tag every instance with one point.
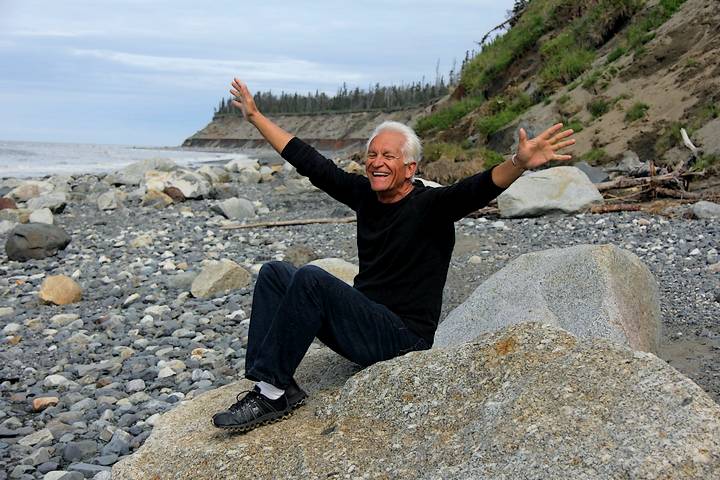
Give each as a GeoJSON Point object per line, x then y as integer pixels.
{"type": "Point", "coordinates": [405, 237]}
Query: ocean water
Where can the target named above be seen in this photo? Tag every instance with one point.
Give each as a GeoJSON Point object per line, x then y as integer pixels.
{"type": "Point", "coordinates": [37, 159]}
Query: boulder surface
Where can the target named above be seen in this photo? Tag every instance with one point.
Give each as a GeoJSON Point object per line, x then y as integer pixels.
{"type": "Point", "coordinates": [558, 189]}
{"type": "Point", "coordinates": [530, 401]}
{"type": "Point", "coordinates": [36, 241]}
{"type": "Point", "coordinates": [589, 290]}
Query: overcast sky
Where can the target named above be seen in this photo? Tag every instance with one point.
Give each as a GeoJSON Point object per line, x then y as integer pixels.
{"type": "Point", "coordinates": [147, 72]}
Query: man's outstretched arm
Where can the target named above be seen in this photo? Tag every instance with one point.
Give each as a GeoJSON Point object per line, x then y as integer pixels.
{"type": "Point", "coordinates": [275, 136]}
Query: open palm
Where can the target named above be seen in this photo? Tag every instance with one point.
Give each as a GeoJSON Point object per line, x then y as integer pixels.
{"type": "Point", "coordinates": [539, 150]}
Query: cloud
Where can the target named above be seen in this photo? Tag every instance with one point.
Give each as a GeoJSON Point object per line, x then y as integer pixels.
{"type": "Point", "coordinates": [280, 69]}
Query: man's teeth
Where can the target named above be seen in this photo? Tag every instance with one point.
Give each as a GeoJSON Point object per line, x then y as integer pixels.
{"type": "Point", "coordinates": [380, 174]}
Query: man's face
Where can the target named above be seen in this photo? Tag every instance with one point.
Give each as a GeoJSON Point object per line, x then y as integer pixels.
{"type": "Point", "coordinates": [385, 165]}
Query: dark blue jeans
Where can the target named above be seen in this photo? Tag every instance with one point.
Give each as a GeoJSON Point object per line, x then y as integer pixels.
{"type": "Point", "coordinates": [293, 306]}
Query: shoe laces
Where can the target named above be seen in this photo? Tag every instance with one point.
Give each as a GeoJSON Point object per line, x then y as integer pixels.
{"type": "Point", "coordinates": [246, 398]}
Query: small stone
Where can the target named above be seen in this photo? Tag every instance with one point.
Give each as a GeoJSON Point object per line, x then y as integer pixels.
{"type": "Point", "coordinates": [141, 241]}
{"type": "Point", "coordinates": [60, 290]}
{"type": "Point", "coordinates": [63, 319]}
{"type": "Point", "coordinates": [41, 437]}
{"type": "Point", "coordinates": [41, 403]}
{"type": "Point", "coordinates": [11, 328]}
{"type": "Point", "coordinates": [119, 444]}
{"type": "Point", "coordinates": [54, 381]}
{"type": "Point", "coordinates": [136, 385]}
{"type": "Point", "coordinates": [219, 277]}
{"type": "Point", "coordinates": [44, 215]}
{"type": "Point", "coordinates": [166, 372]}
{"type": "Point", "coordinates": [131, 299]}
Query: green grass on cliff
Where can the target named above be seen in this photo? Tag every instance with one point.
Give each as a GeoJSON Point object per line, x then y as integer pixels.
{"type": "Point", "coordinates": [553, 46]}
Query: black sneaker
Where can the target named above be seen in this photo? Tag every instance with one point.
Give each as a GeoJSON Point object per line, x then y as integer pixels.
{"type": "Point", "coordinates": [255, 409]}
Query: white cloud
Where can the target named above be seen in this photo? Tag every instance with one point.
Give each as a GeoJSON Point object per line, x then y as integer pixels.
{"type": "Point", "coordinates": [280, 69]}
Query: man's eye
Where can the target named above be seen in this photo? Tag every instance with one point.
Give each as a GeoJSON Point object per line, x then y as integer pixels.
{"type": "Point", "coordinates": [371, 155]}
{"type": "Point", "coordinates": [391, 157]}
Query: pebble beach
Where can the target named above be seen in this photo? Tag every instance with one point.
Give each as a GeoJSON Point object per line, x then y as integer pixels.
{"type": "Point", "coordinates": [138, 342]}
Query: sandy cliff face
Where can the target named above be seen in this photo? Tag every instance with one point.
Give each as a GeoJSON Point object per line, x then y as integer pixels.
{"type": "Point", "coordinates": [327, 131]}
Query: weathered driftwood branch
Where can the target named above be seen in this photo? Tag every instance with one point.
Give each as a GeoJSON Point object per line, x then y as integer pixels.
{"type": "Point", "coordinates": [697, 152]}
{"type": "Point", "coordinates": [682, 194]}
{"type": "Point", "coordinates": [285, 223]}
{"type": "Point", "coordinates": [616, 207]}
{"type": "Point", "coordinates": [625, 182]}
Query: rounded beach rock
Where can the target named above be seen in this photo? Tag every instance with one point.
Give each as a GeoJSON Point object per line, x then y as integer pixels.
{"type": "Point", "coordinates": [60, 290]}
{"type": "Point", "coordinates": [219, 277]}
{"type": "Point", "coordinates": [558, 189]}
{"type": "Point", "coordinates": [340, 268]}
{"type": "Point", "coordinates": [35, 241]}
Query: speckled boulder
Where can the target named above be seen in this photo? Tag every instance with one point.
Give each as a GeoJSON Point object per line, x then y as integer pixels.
{"type": "Point", "coordinates": [589, 290]}
{"type": "Point", "coordinates": [530, 401]}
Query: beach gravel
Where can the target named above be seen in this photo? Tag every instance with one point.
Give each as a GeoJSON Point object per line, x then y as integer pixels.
{"type": "Point", "coordinates": [139, 343]}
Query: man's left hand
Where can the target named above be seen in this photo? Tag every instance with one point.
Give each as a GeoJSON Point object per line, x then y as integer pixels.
{"type": "Point", "coordinates": [535, 152]}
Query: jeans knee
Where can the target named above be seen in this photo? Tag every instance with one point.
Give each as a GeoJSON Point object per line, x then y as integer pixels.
{"type": "Point", "coordinates": [308, 274]}
{"type": "Point", "coordinates": [271, 269]}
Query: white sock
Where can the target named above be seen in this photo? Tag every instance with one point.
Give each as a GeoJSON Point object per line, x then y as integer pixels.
{"type": "Point", "coordinates": [270, 391]}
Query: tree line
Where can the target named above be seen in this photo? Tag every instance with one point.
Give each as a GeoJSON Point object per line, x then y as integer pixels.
{"type": "Point", "coordinates": [346, 100]}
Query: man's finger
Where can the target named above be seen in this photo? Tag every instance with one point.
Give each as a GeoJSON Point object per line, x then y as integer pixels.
{"type": "Point", "coordinates": [561, 145]}
{"type": "Point", "coordinates": [523, 135]}
{"type": "Point", "coordinates": [562, 157]}
{"type": "Point", "coordinates": [563, 134]}
{"type": "Point", "coordinates": [551, 131]}
{"type": "Point", "coordinates": [234, 93]}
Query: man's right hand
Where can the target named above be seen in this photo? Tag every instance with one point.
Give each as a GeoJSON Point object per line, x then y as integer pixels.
{"type": "Point", "coordinates": [243, 99]}
{"type": "Point", "coordinates": [276, 136]}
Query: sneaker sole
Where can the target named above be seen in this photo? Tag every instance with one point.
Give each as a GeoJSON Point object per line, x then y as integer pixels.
{"type": "Point", "coordinates": [259, 423]}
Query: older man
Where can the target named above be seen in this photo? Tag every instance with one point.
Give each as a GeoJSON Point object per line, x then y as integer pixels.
{"type": "Point", "coordinates": [405, 238]}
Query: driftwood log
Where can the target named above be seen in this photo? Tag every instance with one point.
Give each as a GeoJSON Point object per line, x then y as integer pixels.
{"type": "Point", "coordinates": [286, 223]}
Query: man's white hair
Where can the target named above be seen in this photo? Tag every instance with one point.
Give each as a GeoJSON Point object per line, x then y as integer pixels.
{"type": "Point", "coordinates": [412, 150]}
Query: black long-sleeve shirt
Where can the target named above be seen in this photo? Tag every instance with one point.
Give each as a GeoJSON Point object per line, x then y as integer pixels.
{"type": "Point", "coordinates": [404, 247]}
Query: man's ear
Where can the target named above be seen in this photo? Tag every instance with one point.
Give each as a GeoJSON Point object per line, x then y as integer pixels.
{"type": "Point", "coordinates": [410, 169]}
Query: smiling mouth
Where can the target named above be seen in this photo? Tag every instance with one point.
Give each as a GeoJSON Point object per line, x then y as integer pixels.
{"type": "Point", "coordinates": [380, 174]}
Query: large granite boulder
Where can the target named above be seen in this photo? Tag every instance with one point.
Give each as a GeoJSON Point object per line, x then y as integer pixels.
{"type": "Point", "coordinates": [134, 173]}
{"type": "Point", "coordinates": [589, 290]}
{"type": "Point", "coordinates": [530, 401]}
{"type": "Point", "coordinates": [35, 240]}
{"type": "Point", "coordinates": [558, 189]}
